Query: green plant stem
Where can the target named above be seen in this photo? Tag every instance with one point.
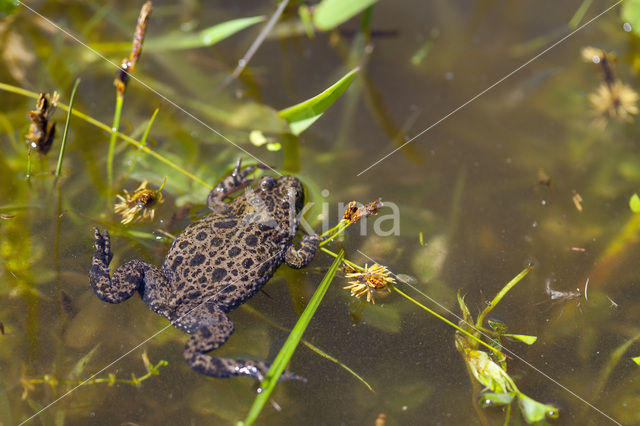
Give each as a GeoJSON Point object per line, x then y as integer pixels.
{"type": "Point", "coordinates": [63, 146]}
{"type": "Point", "coordinates": [112, 140]}
{"type": "Point", "coordinates": [501, 294]}
{"type": "Point", "coordinates": [106, 128]}
{"type": "Point", "coordinates": [143, 140]}
{"type": "Point", "coordinates": [348, 262]}
{"type": "Point", "coordinates": [440, 317]}
{"type": "Point", "coordinates": [283, 357]}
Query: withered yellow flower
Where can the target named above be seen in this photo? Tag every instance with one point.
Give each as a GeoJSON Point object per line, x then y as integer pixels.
{"type": "Point", "coordinates": [138, 206]}
{"type": "Point", "coordinates": [617, 100]}
{"type": "Point", "coordinates": [373, 279]}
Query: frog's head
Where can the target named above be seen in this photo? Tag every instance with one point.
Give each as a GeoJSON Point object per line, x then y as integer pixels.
{"type": "Point", "coordinates": [283, 198]}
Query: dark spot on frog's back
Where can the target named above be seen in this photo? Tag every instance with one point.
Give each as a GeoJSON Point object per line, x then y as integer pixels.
{"type": "Point", "coordinates": [246, 263]}
{"type": "Point", "coordinates": [197, 259]}
{"type": "Point", "coordinates": [218, 274]}
{"type": "Point", "coordinates": [201, 236]}
{"type": "Point", "coordinates": [234, 251]}
{"type": "Point", "coordinates": [251, 240]}
{"type": "Point", "coordinates": [216, 242]}
{"type": "Point", "coordinates": [177, 262]}
{"type": "Point", "coordinates": [225, 224]}
{"type": "Point", "coordinates": [183, 244]}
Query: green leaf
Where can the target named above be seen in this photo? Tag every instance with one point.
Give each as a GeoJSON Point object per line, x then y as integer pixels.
{"type": "Point", "coordinates": [534, 411]}
{"type": "Point", "coordinates": [529, 340]}
{"type": "Point", "coordinates": [634, 203]}
{"type": "Point", "coordinates": [7, 7]}
{"type": "Point", "coordinates": [631, 13]}
{"type": "Point", "coordinates": [331, 13]}
{"type": "Point", "coordinates": [286, 352]}
{"type": "Point", "coordinates": [302, 115]}
{"type": "Point", "coordinates": [636, 360]}
{"type": "Point", "coordinates": [491, 399]}
{"type": "Point", "coordinates": [466, 315]}
{"type": "Point", "coordinates": [206, 37]}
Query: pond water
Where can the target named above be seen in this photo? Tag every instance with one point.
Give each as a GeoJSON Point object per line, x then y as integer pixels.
{"type": "Point", "coordinates": [493, 181]}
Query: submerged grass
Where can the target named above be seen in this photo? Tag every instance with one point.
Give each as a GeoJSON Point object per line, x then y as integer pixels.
{"type": "Point", "coordinates": [286, 352]}
{"type": "Point", "coordinates": [63, 144]}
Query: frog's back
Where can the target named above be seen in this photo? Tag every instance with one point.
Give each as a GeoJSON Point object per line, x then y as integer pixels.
{"type": "Point", "coordinates": [224, 259]}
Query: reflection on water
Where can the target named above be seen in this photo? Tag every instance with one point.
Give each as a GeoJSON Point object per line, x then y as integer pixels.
{"type": "Point", "coordinates": [470, 184]}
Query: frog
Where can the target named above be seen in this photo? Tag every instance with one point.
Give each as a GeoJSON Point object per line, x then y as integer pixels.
{"type": "Point", "coordinates": [215, 265]}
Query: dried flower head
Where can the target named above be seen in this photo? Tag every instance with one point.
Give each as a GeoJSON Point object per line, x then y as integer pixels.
{"type": "Point", "coordinates": [373, 279]}
{"type": "Point", "coordinates": [41, 132]}
{"type": "Point", "coordinates": [138, 206]}
{"type": "Point", "coordinates": [127, 65]}
{"type": "Point", "coordinates": [353, 213]}
{"type": "Point", "coordinates": [617, 100]}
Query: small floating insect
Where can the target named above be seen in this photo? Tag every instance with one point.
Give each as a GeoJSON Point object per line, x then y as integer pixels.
{"type": "Point", "coordinates": [138, 206]}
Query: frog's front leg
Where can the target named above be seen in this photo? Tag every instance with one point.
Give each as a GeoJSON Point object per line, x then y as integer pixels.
{"type": "Point", "coordinates": [301, 257]}
{"type": "Point", "coordinates": [210, 327]}
{"type": "Point", "coordinates": [232, 183]}
{"type": "Point", "coordinates": [135, 275]}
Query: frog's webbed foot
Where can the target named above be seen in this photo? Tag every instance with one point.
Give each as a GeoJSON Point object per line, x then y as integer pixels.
{"type": "Point", "coordinates": [301, 257]}
{"type": "Point", "coordinates": [126, 280]}
{"type": "Point", "coordinates": [215, 330]}
{"type": "Point", "coordinates": [232, 183]}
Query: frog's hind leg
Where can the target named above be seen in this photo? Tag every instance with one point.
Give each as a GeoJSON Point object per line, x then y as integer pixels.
{"type": "Point", "coordinates": [232, 183]}
{"type": "Point", "coordinates": [210, 327]}
{"type": "Point", "coordinates": [301, 257]}
{"type": "Point", "coordinates": [126, 280]}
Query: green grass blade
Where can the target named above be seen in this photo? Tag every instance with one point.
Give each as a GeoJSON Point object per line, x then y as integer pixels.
{"type": "Point", "coordinates": [302, 115]}
{"type": "Point", "coordinates": [331, 13]}
{"type": "Point", "coordinates": [63, 146]}
{"type": "Point", "coordinates": [143, 141]}
{"type": "Point", "coordinates": [283, 357]}
{"type": "Point", "coordinates": [204, 38]}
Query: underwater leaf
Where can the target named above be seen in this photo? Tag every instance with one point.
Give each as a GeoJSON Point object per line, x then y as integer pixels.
{"type": "Point", "coordinates": [490, 399]}
{"type": "Point", "coordinates": [634, 203]}
{"type": "Point", "coordinates": [630, 13]}
{"type": "Point", "coordinates": [79, 367]}
{"type": "Point", "coordinates": [206, 37]}
{"type": "Point", "coordinates": [636, 360]}
{"type": "Point", "coordinates": [302, 115]}
{"type": "Point", "coordinates": [524, 338]}
{"type": "Point", "coordinates": [7, 7]}
{"type": "Point", "coordinates": [484, 369]}
{"type": "Point", "coordinates": [331, 13]}
{"type": "Point", "coordinates": [534, 411]}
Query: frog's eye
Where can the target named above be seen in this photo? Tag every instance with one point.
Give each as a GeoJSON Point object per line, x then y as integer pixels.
{"type": "Point", "coordinates": [267, 183]}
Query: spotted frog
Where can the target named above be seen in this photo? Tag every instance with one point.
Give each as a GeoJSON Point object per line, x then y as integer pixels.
{"type": "Point", "coordinates": [216, 264]}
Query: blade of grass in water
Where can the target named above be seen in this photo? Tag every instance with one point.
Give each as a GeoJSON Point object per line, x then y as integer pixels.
{"type": "Point", "coordinates": [112, 141]}
{"type": "Point", "coordinates": [66, 127]}
{"type": "Point", "coordinates": [283, 357]}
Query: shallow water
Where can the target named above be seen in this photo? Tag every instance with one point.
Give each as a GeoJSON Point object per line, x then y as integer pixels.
{"type": "Point", "coordinates": [470, 185]}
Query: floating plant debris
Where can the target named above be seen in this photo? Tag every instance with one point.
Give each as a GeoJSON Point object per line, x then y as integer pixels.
{"type": "Point", "coordinates": [41, 132]}
{"type": "Point", "coordinates": [372, 280]}
{"type": "Point", "coordinates": [138, 206]}
{"type": "Point", "coordinates": [353, 213]}
{"type": "Point", "coordinates": [613, 98]}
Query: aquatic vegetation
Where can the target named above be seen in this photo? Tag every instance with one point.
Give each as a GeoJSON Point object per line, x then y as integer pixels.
{"type": "Point", "coordinates": [374, 279]}
{"type": "Point", "coordinates": [41, 131]}
{"type": "Point", "coordinates": [138, 206]}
